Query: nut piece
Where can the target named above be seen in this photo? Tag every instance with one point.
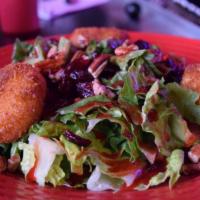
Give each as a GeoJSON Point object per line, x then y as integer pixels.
{"type": "Point", "coordinates": [52, 52]}
{"type": "Point", "coordinates": [77, 55]}
{"type": "Point", "coordinates": [54, 63]}
{"type": "Point", "coordinates": [125, 48]}
{"type": "Point", "coordinates": [100, 89]}
{"type": "Point", "coordinates": [194, 153]}
{"type": "Point", "coordinates": [81, 37]}
{"type": "Point", "coordinates": [98, 65]}
{"type": "Point", "coordinates": [13, 163]}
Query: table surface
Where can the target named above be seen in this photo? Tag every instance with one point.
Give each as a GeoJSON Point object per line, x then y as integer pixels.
{"type": "Point", "coordinates": [152, 19]}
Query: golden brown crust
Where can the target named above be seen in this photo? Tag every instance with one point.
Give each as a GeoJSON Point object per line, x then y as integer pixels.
{"type": "Point", "coordinates": [191, 77]}
{"type": "Point", "coordinates": [22, 94]}
{"type": "Point", "coordinates": [80, 37]}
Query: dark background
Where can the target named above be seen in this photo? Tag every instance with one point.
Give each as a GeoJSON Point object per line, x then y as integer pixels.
{"type": "Point", "coordinates": [168, 19]}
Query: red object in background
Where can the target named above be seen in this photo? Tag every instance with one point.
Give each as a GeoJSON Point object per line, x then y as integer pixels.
{"type": "Point", "coordinates": [14, 187]}
{"type": "Point", "coordinates": [18, 16]}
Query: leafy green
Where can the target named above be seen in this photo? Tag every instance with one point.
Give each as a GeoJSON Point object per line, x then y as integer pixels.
{"type": "Point", "coordinates": [56, 174]}
{"type": "Point", "coordinates": [124, 61]}
{"type": "Point", "coordinates": [97, 47]}
{"type": "Point", "coordinates": [127, 93]}
{"type": "Point", "coordinates": [48, 129]}
{"type": "Point", "coordinates": [185, 100]}
{"type": "Point", "coordinates": [175, 162]}
{"type": "Point", "coordinates": [100, 182]}
{"type": "Point", "coordinates": [64, 45]}
{"type": "Point", "coordinates": [14, 149]}
{"type": "Point", "coordinates": [28, 159]}
{"type": "Point", "coordinates": [72, 153]}
{"type": "Point", "coordinates": [81, 103]}
{"type": "Point", "coordinates": [167, 126]}
{"type": "Point", "coordinates": [21, 50]}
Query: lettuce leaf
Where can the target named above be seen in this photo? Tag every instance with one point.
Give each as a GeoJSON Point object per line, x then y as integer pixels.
{"type": "Point", "coordinates": [100, 182]}
{"type": "Point", "coordinates": [174, 164]}
{"type": "Point", "coordinates": [28, 159]}
{"type": "Point", "coordinates": [128, 101]}
{"type": "Point", "coordinates": [161, 118]}
{"type": "Point", "coordinates": [72, 153]}
{"type": "Point", "coordinates": [56, 174]}
{"type": "Point", "coordinates": [48, 129]}
{"type": "Point", "coordinates": [186, 102]}
{"type": "Point", "coordinates": [124, 61]}
{"type": "Point", "coordinates": [81, 103]}
{"type": "Point", "coordinates": [64, 45]}
{"type": "Point", "coordinates": [21, 50]}
{"type": "Point", "coordinates": [127, 93]}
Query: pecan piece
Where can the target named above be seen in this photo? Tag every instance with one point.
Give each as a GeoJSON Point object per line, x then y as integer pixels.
{"type": "Point", "coordinates": [13, 163]}
{"type": "Point", "coordinates": [98, 65]}
{"type": "Point", "coordinates": [100, 89]}
{"type": "Point", "coordinates": [77, 55]}
{"type": "Point", "coordinates": [194, 153]}
{"type": "Point", "coordinates": [125, 48]}
{"type": "Point", "coordinates": [53, 64]}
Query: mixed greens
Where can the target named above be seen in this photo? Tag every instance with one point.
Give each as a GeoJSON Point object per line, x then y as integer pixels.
{"type": "Point", "coordinates": [126, 123]}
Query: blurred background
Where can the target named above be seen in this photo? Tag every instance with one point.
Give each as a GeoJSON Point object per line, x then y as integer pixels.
{"type": "Point", "coordinates": [26, 19]}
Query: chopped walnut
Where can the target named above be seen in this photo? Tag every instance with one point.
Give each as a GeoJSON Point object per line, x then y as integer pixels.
{"type": "Point", "coordinates": [13, 163]}
{"type": "Point", "coordinates": [53, 64]}
{"type": "Point", "coordinates": [100, 89]}
{"type": "Point", "coordinates": [52, 52]}
{"type": "Point", "coordinates": [98, 65]}
{"type": "Point", "coordinates": [194, 153]}
{"type": "Point", "coordinates": [125, 48]}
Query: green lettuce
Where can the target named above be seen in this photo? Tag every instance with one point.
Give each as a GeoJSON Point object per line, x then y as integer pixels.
{"type": "Point", "coordinates": [128, 101]}
{"type": "Point", "coordinates": [174, 164]}
{"type": "Point", "coordinates": [64, 45]}
{"type": "Point", "coordinates": [127, 93]}
{"type": "Point", "coordinates": [167, 125]}
{"type": "Point", "coordinates": [100, 182]}
{"type": "Point", "coordinates": [73, 107]}
{"type": "Point", "coordinates": [72, 153]}
{"type": "Point", "coordinates": [186, 101]}
{"type": "Point", "coordinates": [28, 160]}
{"type": "Point", "coordinates": [48, 129]}
{"type": "Point", "coordinates": [56, 175]}
{"type": "Point", "coordinates": [21, 50]}
{"type": "Point", "coordinates": [124, 61]}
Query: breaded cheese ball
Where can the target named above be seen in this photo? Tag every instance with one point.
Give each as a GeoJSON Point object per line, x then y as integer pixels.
{"type": "Point", "coordinates": [22, 94]}
{"type": "Point", "coordinates": [80, 37]}
{"type": "Point", "coordinates": [191, 77]}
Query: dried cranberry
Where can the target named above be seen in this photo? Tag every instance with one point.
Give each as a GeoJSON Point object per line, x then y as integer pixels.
{"type": "Point", "coordinates": [172, 69]}
{"type": "Point", "coordinates": [109, 71]}
{"type": "Point", "coordinates": [81, 63]}
{"type": "Point", "coordinates": [152, 115]}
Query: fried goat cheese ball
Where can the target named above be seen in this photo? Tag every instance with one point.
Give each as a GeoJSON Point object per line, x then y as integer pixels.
{"type": "Point", "coordinates": [191, 77]}
{"type": "Point", "coordinates": [81, 37]}
{"type": "Point", "coordinates": [22, 94]}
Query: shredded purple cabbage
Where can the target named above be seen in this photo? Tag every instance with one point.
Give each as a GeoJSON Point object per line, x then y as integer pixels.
{"type": "Point", "coordinates": [77, 139]}
{"type": "Point", "coordinates": [142, 44]}
{"type": "Point", "coordinates": [114, 43]}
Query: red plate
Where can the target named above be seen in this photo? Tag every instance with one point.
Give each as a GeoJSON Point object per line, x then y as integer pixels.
{"type": "Point", "coordinates": [14, 187]}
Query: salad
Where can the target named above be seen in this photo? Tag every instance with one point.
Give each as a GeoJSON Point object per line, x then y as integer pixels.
{"type": "Point", "coordinates": [116, 116]}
